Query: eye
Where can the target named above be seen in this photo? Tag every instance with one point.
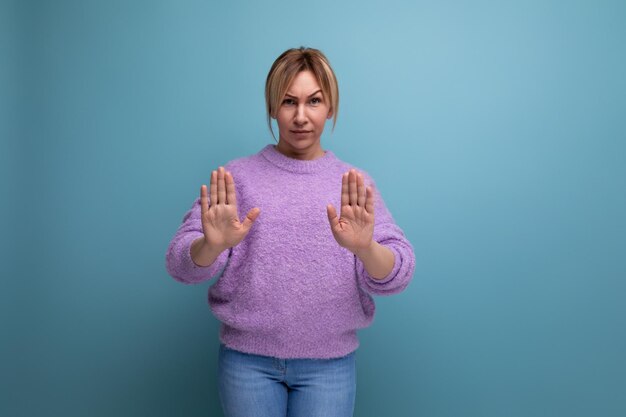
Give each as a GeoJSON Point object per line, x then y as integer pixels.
{"type": "Point", "coordinates": [287, 101]}
{"type": "Point", "coordinates": [319, 100]}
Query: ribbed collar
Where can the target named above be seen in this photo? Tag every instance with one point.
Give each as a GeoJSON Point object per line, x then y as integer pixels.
{"type": "Point", "coordinates": [298, 165]}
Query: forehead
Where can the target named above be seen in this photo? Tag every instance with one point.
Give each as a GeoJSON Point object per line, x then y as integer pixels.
{"type": "Point", "coordinates": [303, 84]}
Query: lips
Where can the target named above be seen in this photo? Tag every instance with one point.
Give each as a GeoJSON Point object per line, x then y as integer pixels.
{"type": "Point", "coordinates": [301, 131]}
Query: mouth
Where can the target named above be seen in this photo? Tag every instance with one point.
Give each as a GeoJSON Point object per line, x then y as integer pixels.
{"type": "Point", "coordinates": [301, 131]}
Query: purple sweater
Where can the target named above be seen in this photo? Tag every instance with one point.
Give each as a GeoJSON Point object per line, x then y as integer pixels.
{"type": "Point", "coordinates": [288, 290]}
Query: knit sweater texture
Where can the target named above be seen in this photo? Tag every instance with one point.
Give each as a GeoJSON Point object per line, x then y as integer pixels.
{"type": "Point", "coordinates": [288, 290]}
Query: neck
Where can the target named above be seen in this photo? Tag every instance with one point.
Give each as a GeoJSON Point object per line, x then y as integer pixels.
{"type": "Point", "coordinates": [313, 152]}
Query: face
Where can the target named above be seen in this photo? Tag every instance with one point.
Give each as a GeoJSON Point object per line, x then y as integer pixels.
{"type": "Point", "coordinates": [301, 118]}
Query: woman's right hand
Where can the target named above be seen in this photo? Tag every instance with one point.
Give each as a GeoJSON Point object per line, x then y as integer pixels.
{"type": "Point", "coordinates": [220, 220]}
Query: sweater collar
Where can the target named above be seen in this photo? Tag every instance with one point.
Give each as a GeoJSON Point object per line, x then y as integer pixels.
{"type": "Point", "coordinates": [298, 165]}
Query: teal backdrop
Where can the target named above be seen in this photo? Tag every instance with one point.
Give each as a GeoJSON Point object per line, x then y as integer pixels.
{"type": "Point", "coordinates": [495, 131]}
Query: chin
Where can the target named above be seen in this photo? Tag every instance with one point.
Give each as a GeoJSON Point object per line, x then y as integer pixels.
{"type": "Point", "coordinates": [302, 143]}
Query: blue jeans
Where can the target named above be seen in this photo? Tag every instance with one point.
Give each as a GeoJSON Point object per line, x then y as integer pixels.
{"type": "Point", "coordinates": [263, 386]}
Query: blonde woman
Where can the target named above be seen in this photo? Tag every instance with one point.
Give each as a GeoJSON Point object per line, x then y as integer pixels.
{"type": "Point", "coordinates": [303, 241]}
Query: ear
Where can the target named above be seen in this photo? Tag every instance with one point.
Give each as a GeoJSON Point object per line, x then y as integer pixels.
{"type": "Point", "coordinates": [330, 114]}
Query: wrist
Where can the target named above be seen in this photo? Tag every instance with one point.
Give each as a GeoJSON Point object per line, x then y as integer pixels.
{"type": "Point", "coordinates": [366, 250]}
{"type": "Point", "coordinates": [203, 254]}
{"type": "Point", "coordinates": [202, 244]}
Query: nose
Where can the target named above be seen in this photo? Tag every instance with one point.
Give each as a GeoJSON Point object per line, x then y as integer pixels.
{"type": "Point", "coordinates": [300, 117]}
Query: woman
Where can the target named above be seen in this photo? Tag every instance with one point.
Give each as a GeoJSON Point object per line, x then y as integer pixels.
{"type": "Point", "coordinates": [298, 278]}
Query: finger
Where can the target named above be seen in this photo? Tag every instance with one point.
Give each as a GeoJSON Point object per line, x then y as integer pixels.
{"type": "Point", "coordinates": [360, 191]}
{"type": "Point", "coordinates": [345, 196]}
{"type": "Point", "coordinates": [332, 216]}
{"type": "Point", "coordinates": [250, 218]}
{"type": "Point", "coordinates": [221, 186]}
{"type": "Point", "coordinates": [204, 200]}
{"type": "Point", "coordinates": [231, 196]}
{"type": "Point", "coordinates": [213, 186]}
{"type": "Point", "coordinates": [369, 203]}
{"type": "Point", "coordinates": [352, 187]}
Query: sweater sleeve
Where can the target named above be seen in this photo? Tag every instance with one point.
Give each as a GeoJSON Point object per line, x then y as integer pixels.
{"type": "Point", "coordinates": [388, 234]}
{"type": "Point", "coordinates": [178, 262]}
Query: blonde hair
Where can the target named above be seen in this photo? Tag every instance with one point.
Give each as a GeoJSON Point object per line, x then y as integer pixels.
{"type": "Point", "coordinates": [284, 70]}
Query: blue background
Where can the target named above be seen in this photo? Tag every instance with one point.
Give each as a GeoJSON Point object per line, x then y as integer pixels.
{"type": "Point", "coordinates": [494, 130]}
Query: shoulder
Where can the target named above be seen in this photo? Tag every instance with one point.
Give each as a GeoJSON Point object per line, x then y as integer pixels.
{"type": "Point", "coordinates": [345, 166]}
{"type": "Point", "coordinates": [244, 164]}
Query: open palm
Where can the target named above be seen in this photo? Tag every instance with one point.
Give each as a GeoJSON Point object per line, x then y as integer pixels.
{"type": "Point", "coordinates": [354, 228]}
{"type": "Point", "coordinates": [220, 221]}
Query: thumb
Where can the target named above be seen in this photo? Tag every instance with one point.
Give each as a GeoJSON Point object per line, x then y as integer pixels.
{"type": "Point", "coordinates": [250, 218]}
{"type": "Point", "coordinates": [332, 216]}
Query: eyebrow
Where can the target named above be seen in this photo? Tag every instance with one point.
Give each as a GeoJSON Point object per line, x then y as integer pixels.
{"type": "Point", "coordinates": [287, 94]}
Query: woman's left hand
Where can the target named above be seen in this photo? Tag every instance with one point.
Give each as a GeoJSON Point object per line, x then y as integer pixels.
{"type": "Point", "coordinates": [354, 229]}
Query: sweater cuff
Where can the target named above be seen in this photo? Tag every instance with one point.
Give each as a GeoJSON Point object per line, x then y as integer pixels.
{"type": "Point", "coordinates": [188, 271]}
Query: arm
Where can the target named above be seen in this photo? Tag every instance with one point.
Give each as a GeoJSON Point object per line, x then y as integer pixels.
{"type": "Point", "coordinates": [178, 258]}
{"type": "Point", "coordinates": [388, 266]}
